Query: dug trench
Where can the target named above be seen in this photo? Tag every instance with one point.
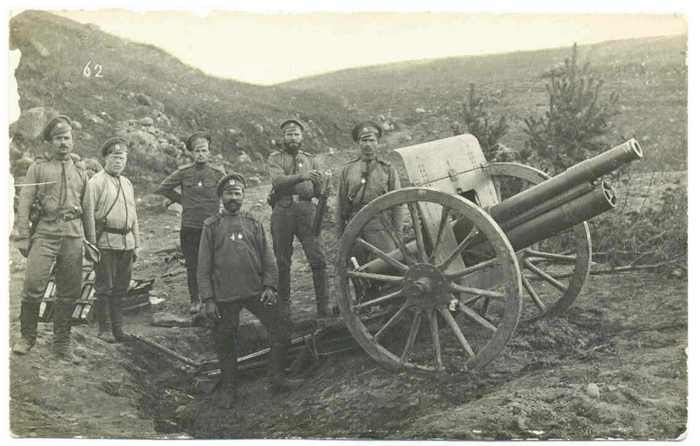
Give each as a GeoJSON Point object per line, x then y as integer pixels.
{"type": "Point", "coordinates": [614, 366]}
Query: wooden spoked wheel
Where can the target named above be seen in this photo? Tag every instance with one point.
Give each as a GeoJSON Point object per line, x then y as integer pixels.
{"type": "Point", "coordinates": [409, 305]}
{"type": "Point", "coordinates": [553, 270]}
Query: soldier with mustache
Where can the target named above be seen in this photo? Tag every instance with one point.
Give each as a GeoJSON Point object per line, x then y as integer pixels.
{"type": "Point", "coordinates": [296, 179]}
{"type": "Point", "coordinates": [56, 187]}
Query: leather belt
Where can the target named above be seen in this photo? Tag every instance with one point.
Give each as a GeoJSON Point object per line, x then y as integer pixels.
{"type": "Point", "coordinates": [297, 197]}
{"type": "Point", "coordinates": [116, 231]}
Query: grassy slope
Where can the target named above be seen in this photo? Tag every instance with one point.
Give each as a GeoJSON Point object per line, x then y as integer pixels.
{"type": "Point", "coordinates": [650, 75]}
{"type": "Point", "coordinates": [191, 98]}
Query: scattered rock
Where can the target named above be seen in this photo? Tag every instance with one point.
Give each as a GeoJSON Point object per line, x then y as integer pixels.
{"type": "Point", "coordinates": [152, 201]}
{"type": "Point", "coordinates": [32, 122]}
{"type": "Point", "coordinates": [146, 122]}
{"type": "Point", "coordinates": [254, 181]}
{"type": "Point", "coordinates": [592, 390]}
{"type": "Point", "coordinates": [77, 125]}
{"type": "Point", "coordinates": [143, 99]}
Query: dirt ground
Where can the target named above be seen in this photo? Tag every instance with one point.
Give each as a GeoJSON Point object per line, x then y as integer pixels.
{"type": "Point", "coordinates": [615, 366]}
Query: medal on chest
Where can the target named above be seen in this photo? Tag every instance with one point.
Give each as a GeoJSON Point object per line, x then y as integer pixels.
{"type": "Point", "coordinates": [363, 180]}
{"type": "Point", "coordinates": [200, 183]}
{"type": "Point", "coordinates": [236, 236]}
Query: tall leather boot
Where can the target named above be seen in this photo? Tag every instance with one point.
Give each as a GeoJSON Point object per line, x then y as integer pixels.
{"type": "Point", "coordinates": [279, 382]}
{"type": "Point", "coordinates": [104, 329]}
{"type": "Point", "coordinates": [29, 317]}
{"type": "Point", "coordinates": [115, 314]}
{"type": "Point", "coordinates": [61, 331]}
{"type": "Point", "coordinates": [323, 307]}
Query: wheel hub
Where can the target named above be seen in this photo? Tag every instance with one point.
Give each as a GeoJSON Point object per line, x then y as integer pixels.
{"type": "Point", "coordinates": [426, 286]}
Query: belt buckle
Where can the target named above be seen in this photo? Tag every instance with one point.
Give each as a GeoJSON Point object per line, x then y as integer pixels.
{"type": "Point", "coordinates": [296, 197]}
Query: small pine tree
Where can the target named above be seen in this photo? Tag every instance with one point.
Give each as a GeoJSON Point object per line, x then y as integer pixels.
{"type": "Point", "coordinates": [577, 118]}
{"type": "Point", "coordinates": [479, 123]}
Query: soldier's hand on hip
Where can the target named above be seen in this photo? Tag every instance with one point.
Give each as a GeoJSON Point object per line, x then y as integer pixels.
{"type": "Point", "coordinates": [211, 311]}
{"type": "Point", "coordinates": [268, 297]}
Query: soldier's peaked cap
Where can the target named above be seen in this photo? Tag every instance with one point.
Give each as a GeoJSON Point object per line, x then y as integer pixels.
{"type": "Point", "coordinates": [366, 128]}
{"type": "Point", "coordinates": [230, 180]}
{"type": "Point", "coordinates": [56, 126]}
{"type": "Point", "coordinates": [291, 121]}
{"type": "Point", "coordinates": [198, 134]}
{"type": "Point", "coordinates": [111, 142]}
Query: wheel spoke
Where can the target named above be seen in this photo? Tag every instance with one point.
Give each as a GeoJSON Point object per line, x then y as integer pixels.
{"type": "Point", "coordinates": [397, 238]}
{"type": "Point", "coordinates": [550, 255]}
{"type": "Point", "coordinates": [474, 315]}
{"type": "Point", "coordinates": [545, 276]}
{"type": "Point", "coordinates": [383, 255]}
{"type": "Point", "coordinates": [432, 317]}
{"type": "Point", "coordinates": [444, 218]}
{"type": "Point", "coordinates": [415, 325]}
{"type": "Point", "coordinates": [471, 269]}
{"type": "Point", "coordinates": [378, 300]}
{"type": "Point", "coordinates": [391, 321]}
{"type": "Point", "coordinates": [533, 294]}
{"type": "Point", "coordinates": [418, 229]}
{"type": "Point", "coordinates": [375, 277]}
{"type": "Point", "coordinates": [460, 247]}
{"type": "Point", "coordinates": [476, 291]}
{"type": "Point", "coordinates": [456, 330]}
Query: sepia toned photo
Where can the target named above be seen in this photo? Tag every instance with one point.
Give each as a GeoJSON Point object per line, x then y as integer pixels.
{"type": "Point", "coordinates": [358, 225]}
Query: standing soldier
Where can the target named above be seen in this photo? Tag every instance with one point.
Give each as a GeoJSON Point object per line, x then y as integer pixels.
{"type": "Point", "coordinates": [296, 179]}
{"type": "Point", "coordinates": [197, 182]}
{"type": "Point", "coordinates": [112, 225]}
{"type": "Point", "coordinates": [52, 193]}
{"type": "Point", "coordinates": [237, 270]}
{"type": "Point", "coordinates": [363, 180]}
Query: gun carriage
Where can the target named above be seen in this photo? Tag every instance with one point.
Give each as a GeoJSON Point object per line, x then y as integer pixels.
{"type": "Point", "coordinates": [484, 246]}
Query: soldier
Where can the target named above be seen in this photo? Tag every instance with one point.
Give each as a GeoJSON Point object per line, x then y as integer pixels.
{"type": "Point", "coordinates": [197, 182]}
{"type": "Point", "coordinates": [363, 180]}
{"type": "Point", "coordinates": [236, 270]}
{"type": "Point", "coordinates": [296, 179]}
{"type": "Point", "coordinates": [113, 226]}
{"type": "Point", "coordinates": [54, 187]}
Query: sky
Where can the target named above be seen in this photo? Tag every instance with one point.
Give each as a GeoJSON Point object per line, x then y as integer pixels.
{"type": "Point", "coordinates": [271, 48]}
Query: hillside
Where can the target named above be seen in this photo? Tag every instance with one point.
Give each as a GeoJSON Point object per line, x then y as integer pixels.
{"type": "Point", "coordinates": [425, 96]}
{"type": "Point", "coordinates": [141, 81]}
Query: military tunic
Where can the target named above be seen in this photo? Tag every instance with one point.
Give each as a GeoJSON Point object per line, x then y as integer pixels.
{"type": "Point", "coordinates": [235, 265]}
{"type": "Point", "coordinates": [360, 183]}
{"type": "Point", "coordinates": [58, 186]}
{"type": "Point", "coordinates": [293, 215]}
{"type": "Point", "coordinates": [199, 201]}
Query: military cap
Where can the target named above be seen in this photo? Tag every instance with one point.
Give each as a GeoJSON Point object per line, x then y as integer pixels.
{"type": "Point", "coordinates": [198, 134]}
{"type": "Point", "coordinates": [290, 122]}
{"type": "Point", "coordinates": [57, 126]}
{"type": "Point", "coordinates": [366, 128]}
{"type": "Point", "coordinates": [229, 181]}
{"type": "Point", "coordinates": [120, 143]}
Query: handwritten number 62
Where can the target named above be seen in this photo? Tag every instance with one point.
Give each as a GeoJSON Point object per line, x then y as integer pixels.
{"type": "Point", "coordinates": [88, 72]}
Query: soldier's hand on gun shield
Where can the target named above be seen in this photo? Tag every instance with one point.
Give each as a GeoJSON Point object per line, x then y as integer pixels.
{"type": "Point", "coordinates": [268, 297]}
{"type": "Point", "coordinates": [211, 311]}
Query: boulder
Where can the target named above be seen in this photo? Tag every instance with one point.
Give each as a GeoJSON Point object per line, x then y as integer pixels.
{"type": "Point", "coordinates": [143, 99]}
{"type": "Point", "coordinates": [146, 122]}
{"type": "Point", "coordinates": [152, 201]}
{"type": "Point", "coordinates": [254, 181]}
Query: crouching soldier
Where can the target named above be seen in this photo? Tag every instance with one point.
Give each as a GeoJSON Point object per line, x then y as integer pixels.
{"type": "Point", "coordinates": [55, 186]}
{"type": "Point", "coordinates": [112, 226]}
{"type": "Point", "coordinates": [236, 270]}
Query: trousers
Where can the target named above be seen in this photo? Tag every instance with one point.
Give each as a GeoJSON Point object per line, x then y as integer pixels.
{"type": "Point", "coordinates": [189, 243]}
{"type": "Point", "coordinates": [67, 254]}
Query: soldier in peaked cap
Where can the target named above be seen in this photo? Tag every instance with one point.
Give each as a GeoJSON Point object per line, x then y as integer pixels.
{"type": "Point", "coordinates": [237, 270]}
{"type": "Point", "coordinates": [364, 179]}
{"type": "Point", "coordinates": [197, 183]}
{"type": "Point", "coordinates": [55, 235]}
{"type": "Point", "coordinates": [110, 209]}
{"type": "Point", "coordinates": [296, 179]}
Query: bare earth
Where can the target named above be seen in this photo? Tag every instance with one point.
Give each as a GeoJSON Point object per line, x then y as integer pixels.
{"type": "Point", "coordinates": [614, 367]}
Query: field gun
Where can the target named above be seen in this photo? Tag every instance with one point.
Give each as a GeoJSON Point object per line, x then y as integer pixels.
{"type": "Point", "coordinates": [476, 235]}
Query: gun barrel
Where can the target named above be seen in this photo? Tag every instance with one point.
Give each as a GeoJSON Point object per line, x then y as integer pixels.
{"type": "Point", "coordinates": [584, 172]}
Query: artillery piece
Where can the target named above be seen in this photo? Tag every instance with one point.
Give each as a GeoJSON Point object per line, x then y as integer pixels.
{"type": "Point", "coordinates": [475, 235]}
